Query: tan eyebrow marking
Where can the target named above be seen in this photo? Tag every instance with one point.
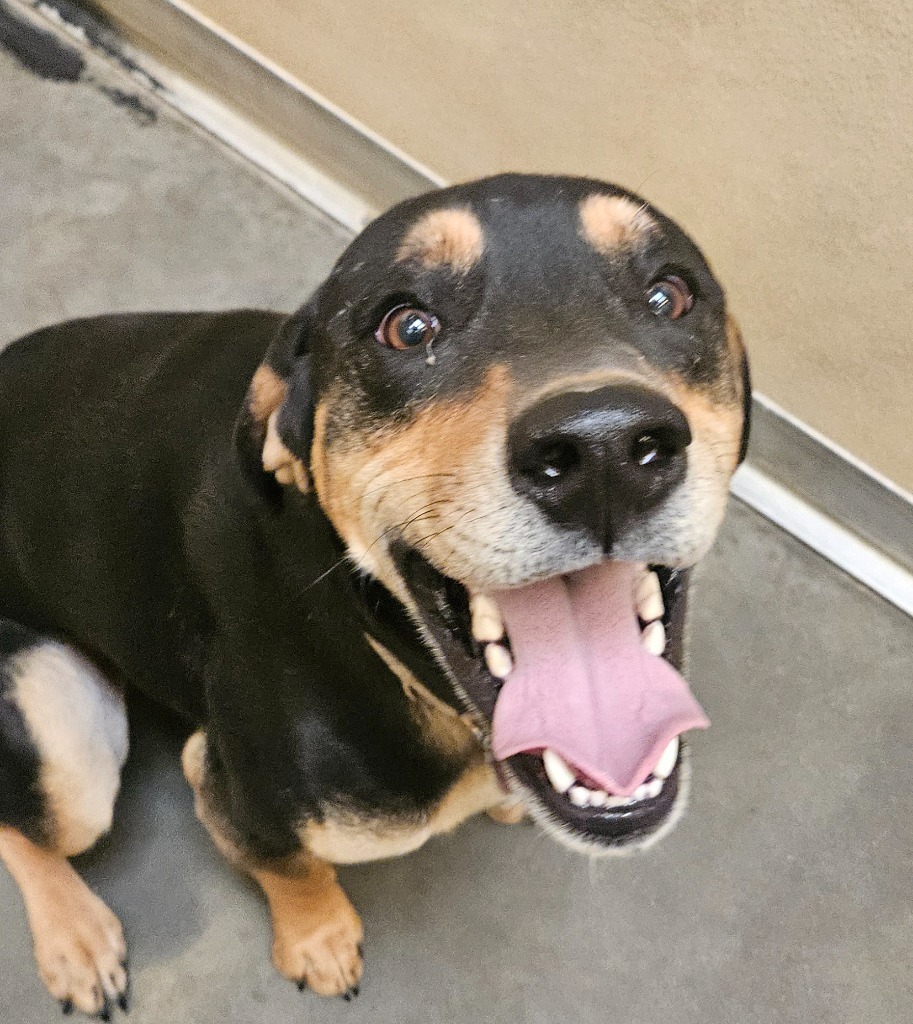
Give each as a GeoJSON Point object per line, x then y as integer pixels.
{"type": "Point", "coordinates": [445, 238]}
{"type": "Point", "coordinates": [610, 223]}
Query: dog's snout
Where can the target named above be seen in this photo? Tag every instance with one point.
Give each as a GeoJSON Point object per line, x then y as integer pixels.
{"type": "Point", "coordinates": [598, 460]}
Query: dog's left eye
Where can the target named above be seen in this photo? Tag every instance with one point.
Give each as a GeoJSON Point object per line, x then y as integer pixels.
{"type": "Point", "coordinates": [670, 297]}
{"type": "Point", "coordinates": [407, 327]}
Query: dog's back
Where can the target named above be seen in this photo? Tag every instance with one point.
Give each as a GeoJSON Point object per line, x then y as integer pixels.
{"type": "Point", "coordinates": [91, 498]}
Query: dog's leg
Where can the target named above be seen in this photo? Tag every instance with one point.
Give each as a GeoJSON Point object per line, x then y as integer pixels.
{"type": "Point", "coordinates": [317, 933]}
{"type": "Point", "coordinates": [63, 741]}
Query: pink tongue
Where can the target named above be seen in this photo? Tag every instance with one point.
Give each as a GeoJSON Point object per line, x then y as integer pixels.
{"type": "Point", "coordinates": [582, 683]}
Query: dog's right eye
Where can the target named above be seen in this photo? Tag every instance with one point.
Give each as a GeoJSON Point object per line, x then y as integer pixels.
{"type": "Point", "coordinates": [407, 327]}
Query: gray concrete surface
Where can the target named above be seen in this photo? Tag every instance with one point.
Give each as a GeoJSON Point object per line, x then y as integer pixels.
{"type": "Point", "coordinates": [786, 895]}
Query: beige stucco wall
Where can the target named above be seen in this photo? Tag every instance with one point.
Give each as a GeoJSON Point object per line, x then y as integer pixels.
{"type": "Point", "coordinates": [780, 134]}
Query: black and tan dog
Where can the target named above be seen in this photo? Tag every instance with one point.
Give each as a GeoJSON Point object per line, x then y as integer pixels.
{"type": "Point", "coordinates": [407, 555]}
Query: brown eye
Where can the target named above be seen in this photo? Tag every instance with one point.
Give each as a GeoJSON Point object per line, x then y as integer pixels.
{"type": "Point", "coordinates": [406, 327]}
{"type": "Point", "coordinates": [670, 297]}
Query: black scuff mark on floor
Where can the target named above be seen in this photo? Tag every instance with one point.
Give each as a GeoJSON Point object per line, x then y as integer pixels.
{"type": "Point", "coordinates": [79, 10]}
{"type": "Point", "coordinates": [37, 50]}
{"type": "Point", "coordinates": [45, 54]}
{"type": "Point", "coordinates": [96, 28]}
{"type": "Point", "coordinates": [141, 112]}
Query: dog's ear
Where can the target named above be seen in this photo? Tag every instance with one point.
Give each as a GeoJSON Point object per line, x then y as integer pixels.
{"type": "Point", "coordinates": [292, 341]}
{"type": "Point", "coordinates": [274, 429]}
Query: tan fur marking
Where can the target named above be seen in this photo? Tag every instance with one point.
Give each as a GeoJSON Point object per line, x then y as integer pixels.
{"type": "Point", "coordinates": [193, 763]}
{"type": "Point", "coordinates": [444, 238]}
{"type": "Point", "coordinates": [696, 509]}
{"type": "Point", "coordinates": [442, 725]}
{"type": "Point", "coordinates": [446, 466]}
{"type": "Point", "coordinates": [319, 468]}
{"type": "Point", "coordinates": [351, 839]}
{"type": "Point", "coordinates": [511, 812]}
{"type": "Point", "coordinates": [316, 931]}
{"type": "Point", "coordinates": [78, 723]}
{"type": "Point", "coordinates": [193, 760]}
{"type": "Point", "coordinates": [279, 461]}
{"type": "Point", "coordinates": [79, 943]}
{"type": "Point", "coordinates": [476, 790]}
{"type": "Point", "coordinates": [610, 223]}
{"type": "Point", "coordinates": [716, 426]}
{"type": "Point", "coordinates": [737, 353]}
{"type": "Point", "coordinates": [734, 339]}
{"type": "Point", "coordinates": [267, 393]}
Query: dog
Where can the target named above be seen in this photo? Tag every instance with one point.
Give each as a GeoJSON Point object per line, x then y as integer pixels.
{"type": "Point", "coordinates": [418, 551]}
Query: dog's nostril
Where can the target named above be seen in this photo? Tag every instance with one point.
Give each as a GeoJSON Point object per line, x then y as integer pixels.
{"type": "Point", "coordinates": [654, 449]}
{"type": "Point", "coordinates": [553, 460]}
{"type": "Point", "coordinates": [646, 450]}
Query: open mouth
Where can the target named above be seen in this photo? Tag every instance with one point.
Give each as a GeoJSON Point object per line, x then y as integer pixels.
{"type": "Point", "coordinates": [575, 681]}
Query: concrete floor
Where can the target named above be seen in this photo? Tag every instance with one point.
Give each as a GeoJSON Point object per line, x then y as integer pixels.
{"type": "Point", "coordinates": [784, 896]}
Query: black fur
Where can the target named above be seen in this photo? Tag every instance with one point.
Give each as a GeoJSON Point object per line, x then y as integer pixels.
{"type": "Point", "coordinates": [129, 527]}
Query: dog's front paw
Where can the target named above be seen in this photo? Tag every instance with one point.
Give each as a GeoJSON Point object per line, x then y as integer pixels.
{"type": "Point", "coordinates": [322, 950]}
{"type": "Point", "coordinates": [81, 954]}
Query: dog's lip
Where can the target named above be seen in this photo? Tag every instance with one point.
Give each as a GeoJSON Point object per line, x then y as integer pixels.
{"type": "Point", "coordinates": [444, 603]}
{"type": "Point", "coordinates": [620, 826]}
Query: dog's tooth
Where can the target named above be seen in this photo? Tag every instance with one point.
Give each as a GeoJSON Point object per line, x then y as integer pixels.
{"type": "Point", "coordinates": [667, 760]}
{"type": "Point", "coordinates": [484, 604]}
{"type": "Point", "coordinates": [559, 774]}
{"type": "Point", "coordinates": [618, 801]}
{"type": "Point", "coordinates": [648, 790]}
{"type": "Point", "coordinates": [598, 797]}
{"type": "Point", "coordinates": [649, 598]}
{"type": "Point", "coordinates": [497, 658]}
{"type": "Point", "coordinates": [579, 796]}
{"type": "Point", "coordinates": [653, 787]}
{"type": "Point", "coordinates": [486, 629]}
{"type": "Point", "coordinates": [487, 624]}
{"type": "Point", "coordinates": [653, 638]}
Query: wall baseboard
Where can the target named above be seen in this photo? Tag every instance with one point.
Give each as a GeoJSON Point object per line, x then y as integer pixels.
{"type": "Point", "coordinates": [798, 479]}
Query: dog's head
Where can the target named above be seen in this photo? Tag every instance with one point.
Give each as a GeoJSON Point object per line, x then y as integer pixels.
{"type": "Point", "coordinates": [520, 402]}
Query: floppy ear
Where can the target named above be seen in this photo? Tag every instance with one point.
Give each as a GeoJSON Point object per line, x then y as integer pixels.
{"type": "Point", "coordinates": [279, 402]}
{"type": "Point", "coordinates": [292, 341]}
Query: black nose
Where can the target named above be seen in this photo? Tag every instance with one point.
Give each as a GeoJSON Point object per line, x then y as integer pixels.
{"type": "Point", "coordinates": [599, 460]}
